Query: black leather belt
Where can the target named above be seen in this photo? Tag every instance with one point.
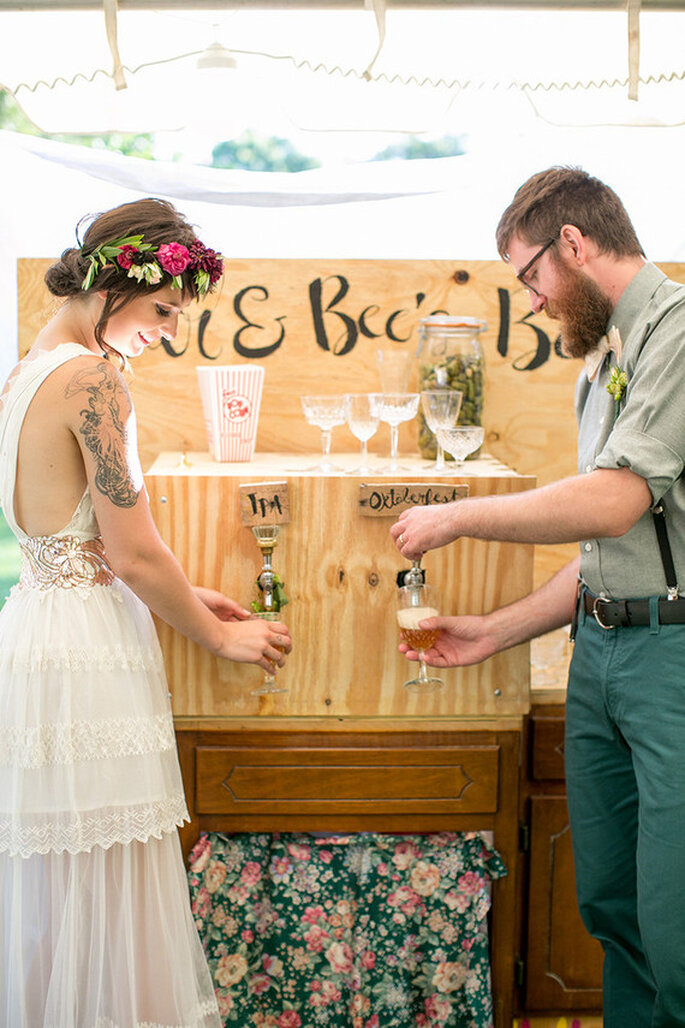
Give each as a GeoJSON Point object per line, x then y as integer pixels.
{"type": "Point", "coordinates": [629, 613]}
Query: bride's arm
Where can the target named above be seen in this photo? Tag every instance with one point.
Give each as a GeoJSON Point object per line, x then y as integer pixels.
{"type": "Point", "coordinates": [100, 415]}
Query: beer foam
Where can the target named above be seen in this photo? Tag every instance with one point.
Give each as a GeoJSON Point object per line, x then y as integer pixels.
{"type": "Point", "coordinates": [409, 617]}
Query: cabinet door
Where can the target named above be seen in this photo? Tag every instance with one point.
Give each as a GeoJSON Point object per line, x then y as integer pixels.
{"type": "Point", "coordinates": [563, 962]}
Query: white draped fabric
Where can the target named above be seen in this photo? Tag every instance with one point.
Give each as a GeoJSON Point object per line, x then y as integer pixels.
{"type": "Point", "coordinates": [445, 208]}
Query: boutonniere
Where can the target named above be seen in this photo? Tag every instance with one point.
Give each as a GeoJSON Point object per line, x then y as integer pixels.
{"type": "Point", "coordinates": [616, 386]}
{"type": "Point", "coordinates": [610, 343]}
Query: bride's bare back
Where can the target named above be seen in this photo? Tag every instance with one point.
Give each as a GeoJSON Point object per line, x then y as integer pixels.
{"type": "Point", "coordinates": [81, 396]}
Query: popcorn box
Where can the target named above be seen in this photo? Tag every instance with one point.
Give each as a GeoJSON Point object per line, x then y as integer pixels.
{"type": "Point", "coordinates": [231, 396]}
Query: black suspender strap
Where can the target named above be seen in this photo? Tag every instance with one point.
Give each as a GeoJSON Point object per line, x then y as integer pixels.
{"type": "Point", "coordinates": [659, 516]}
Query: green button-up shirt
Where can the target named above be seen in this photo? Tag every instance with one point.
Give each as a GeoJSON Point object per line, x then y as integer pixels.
{"type": "Point", "coordinates": [646, 433]}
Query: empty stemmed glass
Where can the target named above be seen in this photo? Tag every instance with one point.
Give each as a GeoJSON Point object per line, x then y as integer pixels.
{"type": "Point", "coordinates": [460, 441]}
{"type": "Point", "coordinates": [394, 409]}
{"type": "Point", "coordinates": [362, 419]}
{"type": "Point", "coordinates": [441, 410]}
{"type": "Point", "coordinates": [269, 684]}
{"type": "Point", "coordinates": [325, 412]}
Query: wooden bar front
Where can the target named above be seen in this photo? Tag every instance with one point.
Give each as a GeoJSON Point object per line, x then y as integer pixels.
{"type": "Point", "coordinates": [340, 572]}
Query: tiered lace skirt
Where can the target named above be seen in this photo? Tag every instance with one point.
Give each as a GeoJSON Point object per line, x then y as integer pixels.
{"type": "Point", "coordinates": [95, 928]}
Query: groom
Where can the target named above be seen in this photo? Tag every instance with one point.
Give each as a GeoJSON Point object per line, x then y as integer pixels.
{"type": "Point", "coordinates": [573, 248]}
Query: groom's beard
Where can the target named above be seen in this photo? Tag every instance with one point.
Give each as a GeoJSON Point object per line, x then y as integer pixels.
{"type": "Point", "coordinates": [583, 310]}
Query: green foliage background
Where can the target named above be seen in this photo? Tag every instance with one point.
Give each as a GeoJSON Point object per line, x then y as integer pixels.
{"type": "Point", "coordinates": [9, 560]}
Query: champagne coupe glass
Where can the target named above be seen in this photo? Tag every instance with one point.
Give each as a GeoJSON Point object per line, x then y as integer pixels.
{"type": "Point", "coordinates": [414, 604]}
{"type": "Point", "coordinates": [362, 419]}
{"type": "Point", "coordinates": [440, 409]}
{"type": "Point", "coordinates": [460, 441]}
{"type": "Point", "coordinates": [394, 409]}
{"type": "Point", "coordinates": [325, 412]}
{"type": "Point", "coordinates": [269, 685]}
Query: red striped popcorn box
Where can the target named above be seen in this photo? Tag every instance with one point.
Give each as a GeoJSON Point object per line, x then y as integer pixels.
{"type": "Point", "coordinates": [231, 397]}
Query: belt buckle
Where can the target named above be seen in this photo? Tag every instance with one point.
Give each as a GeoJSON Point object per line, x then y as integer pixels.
{"type": "Point", "coordinates": [595, 614]}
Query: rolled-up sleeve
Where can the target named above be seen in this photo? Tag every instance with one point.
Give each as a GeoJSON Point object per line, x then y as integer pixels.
{"type": "Point", "coordinates": [648, 436]}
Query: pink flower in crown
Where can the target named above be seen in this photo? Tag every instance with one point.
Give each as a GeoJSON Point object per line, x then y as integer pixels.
{"type": "Point", "coordinates": [127, 255]}
{"type": "Point", "coordinates": [174, 258]}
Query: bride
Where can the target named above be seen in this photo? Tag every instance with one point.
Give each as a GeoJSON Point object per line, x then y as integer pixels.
{"type": "Point", "coordinates": [96, 930]}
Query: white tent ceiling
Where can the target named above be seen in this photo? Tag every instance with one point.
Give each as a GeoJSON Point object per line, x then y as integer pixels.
{"type": "Point", "coordinates": [439, 68]}
{"type": "Point", "coordinates": [455, 70]}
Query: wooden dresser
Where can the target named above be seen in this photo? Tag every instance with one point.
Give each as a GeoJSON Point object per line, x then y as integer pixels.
{"type": "Point", "coordinates": [347, 748]}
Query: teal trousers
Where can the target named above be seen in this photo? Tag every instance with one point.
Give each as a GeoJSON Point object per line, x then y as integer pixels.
{"type": "Point", "coordinates": [625, 766]}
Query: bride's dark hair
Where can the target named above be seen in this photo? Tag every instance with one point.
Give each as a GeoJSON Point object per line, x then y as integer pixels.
{"type": "Point", "coordinates": [157, 221]}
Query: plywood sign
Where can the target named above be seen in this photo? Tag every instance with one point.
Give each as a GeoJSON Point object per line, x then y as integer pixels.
{"type": "Point", "coordinates": [264, 503]}
{"type": "Point", "coordinates": [388, 499]}
{"type": "Point", "coordinates": [316, 325]}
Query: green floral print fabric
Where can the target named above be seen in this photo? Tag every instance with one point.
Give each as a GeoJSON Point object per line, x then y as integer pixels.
{"type": "Point", "coordinates": [361, 931]}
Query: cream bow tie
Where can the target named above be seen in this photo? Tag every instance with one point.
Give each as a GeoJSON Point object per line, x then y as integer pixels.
{"type": "Point", "coordinates": [610, 343]}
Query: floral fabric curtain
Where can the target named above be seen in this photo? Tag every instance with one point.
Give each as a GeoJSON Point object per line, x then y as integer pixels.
{"type": "Point", "coordinates": [361, 931]}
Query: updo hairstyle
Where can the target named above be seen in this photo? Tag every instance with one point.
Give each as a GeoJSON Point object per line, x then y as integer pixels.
{"type": "Point", "coordinates": [157, 221]}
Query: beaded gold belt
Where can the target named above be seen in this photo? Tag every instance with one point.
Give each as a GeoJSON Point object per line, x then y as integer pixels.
{"type": "Point", "coordinates": [64, 562]}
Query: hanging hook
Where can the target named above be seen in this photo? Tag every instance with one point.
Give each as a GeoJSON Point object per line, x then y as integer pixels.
{"type": "Point", "coordinates": [111, 9]}
{"type": "Point", "coordinates": [378, 7]}
{"type": "Point", "coordinates": [633, 47]}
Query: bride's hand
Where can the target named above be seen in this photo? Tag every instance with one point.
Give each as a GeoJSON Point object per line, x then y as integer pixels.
{"type": "Point", "coordinates": [221, 606]}
{"type": "Point", "coordinates": [255, 642]}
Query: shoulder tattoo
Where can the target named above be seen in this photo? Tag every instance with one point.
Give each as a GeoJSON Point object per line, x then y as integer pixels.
{"type": "Point", "coordinates": [103, 427]}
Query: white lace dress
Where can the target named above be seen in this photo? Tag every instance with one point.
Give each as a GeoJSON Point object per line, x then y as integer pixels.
{"type": "Point", "coordinates": [95, 925]}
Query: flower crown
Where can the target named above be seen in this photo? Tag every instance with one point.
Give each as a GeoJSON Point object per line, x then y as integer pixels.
{"type": "Point", "coordinates": [148, 263]}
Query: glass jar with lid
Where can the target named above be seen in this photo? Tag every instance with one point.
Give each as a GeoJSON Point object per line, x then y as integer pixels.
{"type": "Point", "coordinates": [451, 356]}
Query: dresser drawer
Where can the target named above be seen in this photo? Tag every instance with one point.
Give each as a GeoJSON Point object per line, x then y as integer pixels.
{"type": "Point", "coordinates": [548, 746]}
{"type": "Point", "coordinates": [373, 780]}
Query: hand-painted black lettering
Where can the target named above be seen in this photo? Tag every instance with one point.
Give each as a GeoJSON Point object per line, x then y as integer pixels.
{"type": "Point", "coordinates": [542, 351]}
{"type": "Point", "coordinates": [350, 332]}
{"type": "Point", "coordinates": [254, 352]}
{"type": "Point", "coordinates": [504, 318]}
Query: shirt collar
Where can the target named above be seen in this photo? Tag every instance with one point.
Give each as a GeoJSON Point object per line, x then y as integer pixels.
{"type": "Point", "coordinates": [635, 297]}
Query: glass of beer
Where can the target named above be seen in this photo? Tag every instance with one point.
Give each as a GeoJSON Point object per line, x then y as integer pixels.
{"type": "Point", "coordinates": [269, 684]}
{"type": "Point", "coordinates": [415, 604]}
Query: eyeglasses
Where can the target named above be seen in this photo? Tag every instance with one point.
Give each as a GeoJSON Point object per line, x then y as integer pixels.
{"type": "Point", "coordinates": [524, 271]}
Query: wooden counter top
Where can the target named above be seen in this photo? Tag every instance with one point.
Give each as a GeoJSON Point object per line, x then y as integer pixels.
{"type": "Point", "coordinates": [339, 566]}
{"type": "Point", "coordinates": [274, 465]}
